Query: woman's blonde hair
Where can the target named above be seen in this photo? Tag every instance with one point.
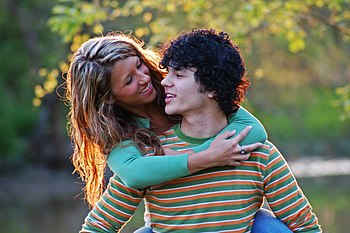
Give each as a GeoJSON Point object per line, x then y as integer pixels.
{"type": "Point", "coordinates": [96, 124]}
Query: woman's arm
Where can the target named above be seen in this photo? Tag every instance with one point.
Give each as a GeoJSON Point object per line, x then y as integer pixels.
{"type": "Point", "coordinates": [138, 171]}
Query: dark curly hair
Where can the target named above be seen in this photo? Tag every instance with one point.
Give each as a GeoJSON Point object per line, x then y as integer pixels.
{"type": "Point", "coordinates": [220, 66]}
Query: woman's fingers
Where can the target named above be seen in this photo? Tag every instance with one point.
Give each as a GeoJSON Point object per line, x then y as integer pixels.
{"type": "Point", "coordinates": [235, 163]}
{"type": "Point", "coordinates": [226, 134]}
{"type": "Point", "coordinates": [248, 148]}
{"type": "Point", "coordinates": [238, 156]}
{"type": "Point", "coordinates": [242, 134]}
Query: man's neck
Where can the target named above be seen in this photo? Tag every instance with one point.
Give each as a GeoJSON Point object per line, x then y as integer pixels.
{"type": "Point", "coordinates": [204, 125]}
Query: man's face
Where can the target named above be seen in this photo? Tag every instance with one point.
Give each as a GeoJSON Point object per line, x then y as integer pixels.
{"type": "Point", "coordinates": [183, 94]}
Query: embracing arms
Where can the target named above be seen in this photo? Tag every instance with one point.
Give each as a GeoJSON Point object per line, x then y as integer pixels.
{"type": "Point", "coordinates": [138, 171]}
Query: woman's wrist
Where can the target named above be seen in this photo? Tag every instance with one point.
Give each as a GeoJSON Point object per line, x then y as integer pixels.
{"type": "Point", "coordinates": [200, 160]}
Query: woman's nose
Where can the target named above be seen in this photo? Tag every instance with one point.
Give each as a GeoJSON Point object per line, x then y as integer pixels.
{"type": "Point", "coordinates": [144, 78]}
{"type": "Point", "coordinates": [144, 74]}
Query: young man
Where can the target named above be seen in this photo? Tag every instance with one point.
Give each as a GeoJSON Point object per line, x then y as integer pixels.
{"type": "Point", "coordinates": [206, 83]}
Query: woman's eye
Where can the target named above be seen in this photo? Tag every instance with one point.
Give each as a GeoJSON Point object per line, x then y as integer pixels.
{"type": "Point", "coordinates": [128, 81]}
{"type": "Point", "coordinates": [139, 64]}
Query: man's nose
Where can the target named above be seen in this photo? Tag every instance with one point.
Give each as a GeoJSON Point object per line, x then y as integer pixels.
{"type": "Point", "coordinates": [166, 81]}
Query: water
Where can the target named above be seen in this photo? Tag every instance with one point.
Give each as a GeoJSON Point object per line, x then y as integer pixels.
{"type": "Point", "coordinates": [42, 201]}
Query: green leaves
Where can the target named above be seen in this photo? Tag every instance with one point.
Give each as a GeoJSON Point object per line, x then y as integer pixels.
{"type": "Point", "coordinates": [290, 22]}
{"type": "Point", "coordinates": [344, 101]}
{"type": "Point", "coordinates": [69, 20]}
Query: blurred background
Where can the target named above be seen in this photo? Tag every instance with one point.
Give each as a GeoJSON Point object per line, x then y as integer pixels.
{"type": "Point", "coordinates": [297, 55]}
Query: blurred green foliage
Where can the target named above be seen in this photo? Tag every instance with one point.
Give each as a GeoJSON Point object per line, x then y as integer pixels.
{"type": "Point", "coordinates": [26, 46]}
{"type": "Point", "coordinates": [297, 55]}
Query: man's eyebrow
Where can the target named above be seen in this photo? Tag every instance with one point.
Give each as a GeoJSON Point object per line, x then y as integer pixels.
{"type": "Point", "coordinates": [180, 68]}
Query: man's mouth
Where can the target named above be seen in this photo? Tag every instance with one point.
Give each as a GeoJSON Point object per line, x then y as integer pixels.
{"type": "Point", "coordinates": [146, 88]}
{"type": "Point", "coordinates": [170, 96]}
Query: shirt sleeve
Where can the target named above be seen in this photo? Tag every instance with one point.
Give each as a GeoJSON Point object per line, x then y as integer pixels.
{"type": "Point", "coordinates": [285, 197]}
{"type": "Point", "coordinates": [138, 171]}
{"type": "Point", "coordinates": [241, 119]}
{"type": "Point", "coordinates": [114, 209]}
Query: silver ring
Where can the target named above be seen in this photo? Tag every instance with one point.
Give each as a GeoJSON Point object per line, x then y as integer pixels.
{"type": "Point", "coordinates": [242, 150]}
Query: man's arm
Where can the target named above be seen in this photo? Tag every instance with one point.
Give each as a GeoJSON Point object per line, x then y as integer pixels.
{"type": "Point", "coordinates": [114, 209]}
{"type": "Point", "coordinates": [285, 197]}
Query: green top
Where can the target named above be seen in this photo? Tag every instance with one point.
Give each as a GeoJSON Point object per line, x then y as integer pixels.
{"type": "Point", "coordinates": [138, 171]}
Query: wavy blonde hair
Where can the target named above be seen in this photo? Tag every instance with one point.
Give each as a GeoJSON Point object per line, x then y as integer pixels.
{"type": "Point", "coordinates": [95, 125]}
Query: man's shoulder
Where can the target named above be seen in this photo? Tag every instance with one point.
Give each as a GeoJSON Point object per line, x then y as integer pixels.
{"type": "Point", "coordinates": [267, 147]}
{"type": "Point", "coordinates": [265, 152]}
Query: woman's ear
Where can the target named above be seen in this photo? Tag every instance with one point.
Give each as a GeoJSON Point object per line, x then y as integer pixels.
{"type": "Point", "coordinates": [110, 100]}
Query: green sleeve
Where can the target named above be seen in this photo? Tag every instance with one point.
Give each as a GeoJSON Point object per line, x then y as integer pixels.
{"type": "Point", "coordinates": [238, 122]}
{"type": "Point", "coordinates": [138, 171]}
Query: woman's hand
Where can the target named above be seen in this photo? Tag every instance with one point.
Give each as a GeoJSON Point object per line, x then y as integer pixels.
{"type": "Point", "coordinates": [223, 151]}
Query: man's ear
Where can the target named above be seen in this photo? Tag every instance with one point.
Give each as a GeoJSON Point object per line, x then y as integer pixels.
{"type": "Point", "coordinates": [211, 94]}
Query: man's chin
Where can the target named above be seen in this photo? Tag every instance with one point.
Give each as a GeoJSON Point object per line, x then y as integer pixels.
{"type": "Point", "coordinates": [170, 111]}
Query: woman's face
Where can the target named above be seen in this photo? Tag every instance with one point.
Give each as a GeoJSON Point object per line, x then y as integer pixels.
{"type": "Point", "coordinates": [131, 84]}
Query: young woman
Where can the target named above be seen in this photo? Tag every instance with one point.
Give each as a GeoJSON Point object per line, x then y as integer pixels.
{"type": "Point", "coordinates": [117, 109]}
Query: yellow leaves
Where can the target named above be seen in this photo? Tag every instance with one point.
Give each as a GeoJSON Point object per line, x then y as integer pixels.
{"type": "Point", "coordinates": [296, 40]}
{"type": "Point", "coordinates": [147, 17]}
{"type": "Point", "coordinates": [137, 9]}
{"type": "Point", "coordinates": [170, 7]}
{"type": "Point", "coordinates": [274, 28]}
{"type": "Point", "coordinates": [296, 45]}
{"type": "Point", "coordinates": [259, 73]}
{"type": "Point", "coordinates": [97, 29]}
{"type": "Point", "coordinates": [63, 66]}
{"type": "Point", "coordinates": [42, 72]}
{"type": "Point", "coordinates": [141, 31]}
{"type": "Point", "coordinates": [319, 3]}
{"type": "Point", "coordinates": [36, 102]}
{"type": "Point", "coordinates": [47, 87]}
{"type": "Point", "coordinates": [39, 91]}
{"type": "Point", "coordinates": [78, 40]}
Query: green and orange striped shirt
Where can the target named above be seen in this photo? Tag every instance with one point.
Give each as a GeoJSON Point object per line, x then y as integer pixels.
{"type": "Point", "coordinates": [221, 199]}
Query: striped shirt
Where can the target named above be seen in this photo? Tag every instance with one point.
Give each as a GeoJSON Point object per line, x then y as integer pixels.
{"type": "Point", "coordinates": [220, 199]}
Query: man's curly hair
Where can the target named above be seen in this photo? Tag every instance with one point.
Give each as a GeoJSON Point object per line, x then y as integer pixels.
{"type": "Point", "coordinates": [220, 67]}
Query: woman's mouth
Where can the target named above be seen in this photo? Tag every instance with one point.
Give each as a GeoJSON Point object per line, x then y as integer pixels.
{"type": "Point", "coordinates": [147, 88]}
